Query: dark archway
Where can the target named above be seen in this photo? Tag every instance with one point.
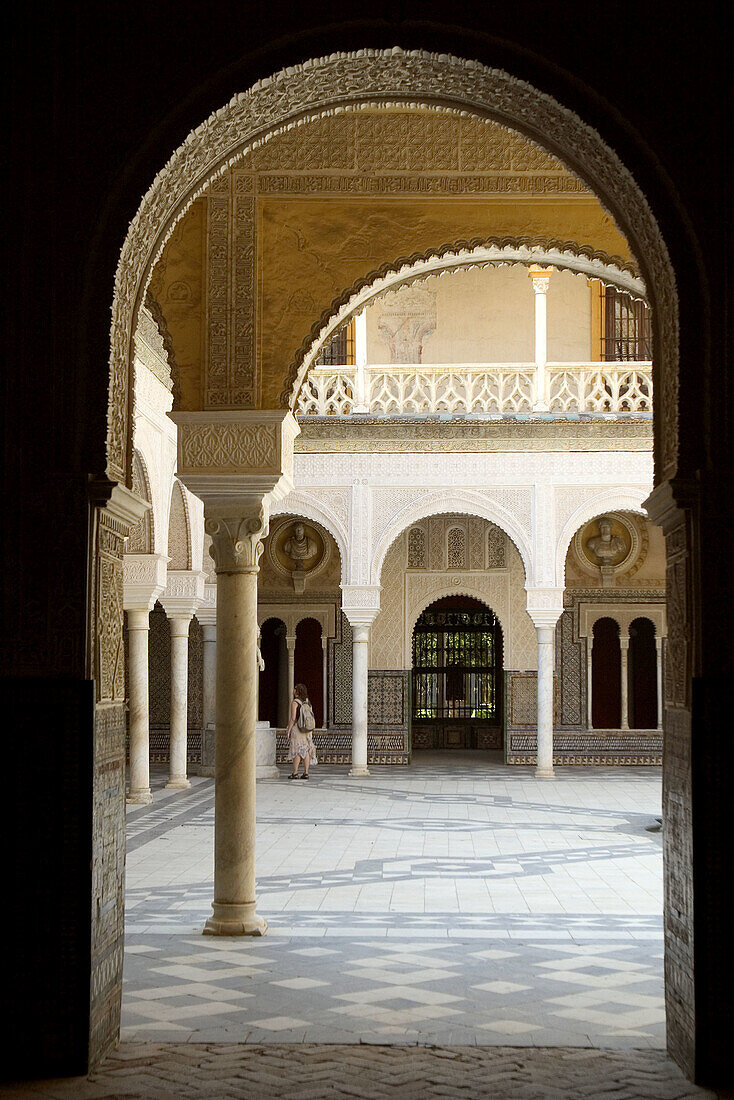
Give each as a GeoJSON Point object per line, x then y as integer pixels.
{"type": "Point", "coordinates": [457, 676]}
{"type": "Point", "coordinates": [309, 665]}
{"type": "Point", "coordinates": [606, 676]}
{"type": "Point", "coordinates": [273, 651]}
{"type": "Point", "coordinates": [643, 700]}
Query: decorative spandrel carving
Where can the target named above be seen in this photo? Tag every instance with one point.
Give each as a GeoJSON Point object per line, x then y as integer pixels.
{"type": "Point", "coordinates": [178, 531]}
{"type": "Point", "coordinates": [416, 548]}
{"type": "Point", "coordinates": [496, 548]}
{"type": "Point", "coordinates": [141, 539]}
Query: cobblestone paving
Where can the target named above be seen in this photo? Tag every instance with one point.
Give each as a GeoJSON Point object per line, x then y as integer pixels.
{"type": "Point", "coordinates": [308, 1072]}
{"type": "Point", "coordinates": [456, 902]}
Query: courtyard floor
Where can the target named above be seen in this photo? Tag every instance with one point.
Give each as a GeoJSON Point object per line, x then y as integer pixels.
{"type": "Point", "coordinates": [457, 902]}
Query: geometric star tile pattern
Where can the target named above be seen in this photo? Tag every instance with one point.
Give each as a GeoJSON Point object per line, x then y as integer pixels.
{"type": "Point", "coordinates": [455, 902]}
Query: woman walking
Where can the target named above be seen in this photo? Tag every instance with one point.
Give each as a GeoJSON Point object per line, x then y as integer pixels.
{"type": "Point", "coordinates": [300, 732]}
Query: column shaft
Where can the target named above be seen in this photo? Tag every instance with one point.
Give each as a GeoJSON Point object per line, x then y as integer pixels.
{"type": "Point", "coordinates": [234, 792]}
{"type": "Point", "coordinates": [360, 665]}
{"type": "Point", "coordinates": [589, 682]}
{"type": "Point", "coordinates": [659, 663]}
{"type": "Point", "coordinates": [324, 680]}
{"type": "Point", "coordinates": [137, 635]}
{"type": "Point", "coordinates": [546, 668]}
{"type": "Point", "coordinates": [179, 701]}
{"type": "Point", "coordinates": [624, 644]}
{"type": "Point", "coordinates": [209, 637]}
{"type": "Point", "coordinates": [290, 641]}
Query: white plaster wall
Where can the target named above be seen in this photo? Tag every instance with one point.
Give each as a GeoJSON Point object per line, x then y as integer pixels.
{"type": "Point", "coordinates": [487, 316]}
{"type": "Point", "coordinates": [569, 318]}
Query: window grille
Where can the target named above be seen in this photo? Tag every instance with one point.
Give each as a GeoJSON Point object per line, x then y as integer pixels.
{"type": "Point", "coordinates": [340, 352]}
{"type": "Point", "coordinates": [626, 329]}
{"type": "Point", "coordinates": [455, 666]}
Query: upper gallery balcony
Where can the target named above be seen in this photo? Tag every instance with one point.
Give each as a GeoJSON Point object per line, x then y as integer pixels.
{"type": "Point", "coordinates": [489, 344]}
{"type": "Point", "coordinates": [563, 390]}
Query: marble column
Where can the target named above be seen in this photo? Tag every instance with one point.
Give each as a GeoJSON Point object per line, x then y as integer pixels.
{"type": "Point", "coordinates": [207, 616]}
{"type": "Point", "coordinates": [179, 727]}
{"type": "Point", "coordinates": [144, 578]}
{"type": "Point", "coordinates": [209, 638]}
{"type": "Point", "coordinates": [540, 277]}
{"type": "Point", "coordinates": [290, 641]}
{"type": "Point", "coordinates": [362, 397]}
{"type": "Point", "coordinates": [544, 620]}
{"type": "Point", "coordinates": [624, 646]}
{"type": "Point", "coordinates": [361, 605]}
{"type": "Point", "coordinates": [324, 680]}
{"type": "Point", "coordinates": [182, 598]}
{"type": "Point", "coordinates": [236, 548]}
{"type": "Point", "coordinates": [659, 663]}
{"type": "Point", "coordinates": [360, 667]}
{"type": "Point", "coordinates": [138, 625]}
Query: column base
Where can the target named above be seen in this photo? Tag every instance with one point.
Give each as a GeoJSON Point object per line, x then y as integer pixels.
{"type": "Point", "coordinates": [359, 772]}
{"type": "Point", "coordinates": [264, 771]}
{"type": "Point", "coordinates": [235, 920]}
{"type": "Point", "coordinates": [178, 783]}
{"type": "Point", "coordinates": [545, 773]}
{"type": "Point", "coordinates": [142, 797]}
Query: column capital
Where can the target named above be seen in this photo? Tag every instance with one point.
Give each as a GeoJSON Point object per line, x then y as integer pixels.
{"type": "Point", "coordinates": [290, 641]}
{"type": "Point", "coordinates": [540, 277]}
{"type": "Point", "coordinates": [361, 603]}
{"type": "Point", "coordinates": [184, 593]}
{"type": "Point", "coordinates": [206, 612]}
{"type": "Point", "coordinates": [237, 533]}
{"type": "Point", "coordinates": [143, 580]}
{"type": "Point", "coordinates": [545, 606]}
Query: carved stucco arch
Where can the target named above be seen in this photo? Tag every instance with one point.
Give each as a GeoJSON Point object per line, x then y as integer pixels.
{"type": "Point", "coordinates": [347, 81]}
{"type": "Point", "coordinates": [460, 256]}
{"type": "Point", "coordinates": [147, 524]}
{"type": "Point", "coordinates": [613, 500]}
{"type": "Point", "coordinates": [178, 488]}
{"type": "Point", "coordinates": [309, 507]}
{"type": "Point", "coordinates": [453, 589]}
{"type": "Point", "coordinates": [452, 502]}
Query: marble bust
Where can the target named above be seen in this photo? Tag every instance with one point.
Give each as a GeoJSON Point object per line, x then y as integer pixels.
{"type": "Point", "coordinates": [608, 549]}
{"type": "Point", "coordinates": [299, 547]}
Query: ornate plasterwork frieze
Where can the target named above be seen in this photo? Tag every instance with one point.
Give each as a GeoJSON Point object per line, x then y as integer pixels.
{"type": "Point", "coordinates": [496, 184]}
{"type": "Point", "coordinates": [396, 436]}
{"type": "Point", "coordinates": [348, 80]}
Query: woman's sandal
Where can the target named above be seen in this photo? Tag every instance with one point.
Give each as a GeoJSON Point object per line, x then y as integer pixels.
{"type": "Point", "coordinates": [305, 775]}
{"type": "Point", "coordinates": [293, 775]}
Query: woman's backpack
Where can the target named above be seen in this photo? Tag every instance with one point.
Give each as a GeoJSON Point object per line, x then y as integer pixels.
{"type": "Point", "coordinates": [306, 720]}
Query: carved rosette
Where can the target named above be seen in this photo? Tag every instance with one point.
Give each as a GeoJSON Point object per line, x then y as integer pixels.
{"type": "Point", "coordinates": [237, 540]}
